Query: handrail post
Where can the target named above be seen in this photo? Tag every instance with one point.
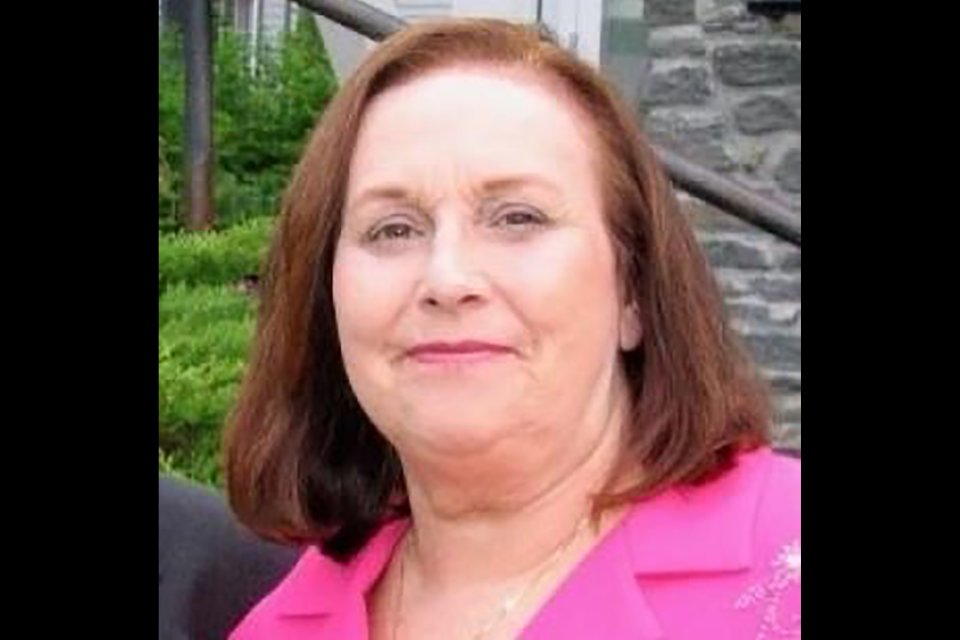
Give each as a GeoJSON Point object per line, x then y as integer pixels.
{"type": "Point", "coordinates": [198, 156]}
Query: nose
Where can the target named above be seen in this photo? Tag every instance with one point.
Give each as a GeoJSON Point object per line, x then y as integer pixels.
{"type": "Point", "coordinates": [453, 279]}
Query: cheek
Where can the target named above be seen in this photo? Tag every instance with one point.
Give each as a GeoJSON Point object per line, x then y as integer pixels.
{"type": "Point", "coordinates": [366, 296]}
{"type": "Point", "coordinates": [567, 285]}
{"type": "Point", "coordinates": [565, 293]}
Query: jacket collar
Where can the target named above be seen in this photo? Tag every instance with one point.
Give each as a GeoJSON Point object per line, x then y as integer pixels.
{"type": "Point", "coordinates": [702, 529]}
{"type": "Point", "coordinates": [321, 586]}
{"type": "Point", "coordinates": [682, 531]}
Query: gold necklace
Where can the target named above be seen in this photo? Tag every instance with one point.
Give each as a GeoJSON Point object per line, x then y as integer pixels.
{"type": "Point", "coordinates": [508, 604]}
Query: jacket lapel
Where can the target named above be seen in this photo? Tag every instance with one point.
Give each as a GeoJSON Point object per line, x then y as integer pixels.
{"type": "Point", "coordinates": [682, 532]}
{"type": "Point", "coordinates": [599, 599]}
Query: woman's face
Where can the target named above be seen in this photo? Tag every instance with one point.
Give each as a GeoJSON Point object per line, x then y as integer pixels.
{"type": "Point", "coordinates": [475, 284]}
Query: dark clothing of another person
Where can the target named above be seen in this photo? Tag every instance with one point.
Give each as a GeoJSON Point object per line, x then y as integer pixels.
{"type": "Point", "coordinates": [212, 569]}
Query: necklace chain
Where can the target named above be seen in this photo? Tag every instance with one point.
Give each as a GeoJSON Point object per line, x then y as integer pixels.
{"type": "Point", "coordinates": [509, 603]}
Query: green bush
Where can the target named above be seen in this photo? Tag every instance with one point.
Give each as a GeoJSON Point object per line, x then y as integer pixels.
{"type": "Point", "coordinates": [205, 335]}
{"type": "Point", "coordinates": [253, 196]}
{"type": "Point", "coordinates": [261, 118]}
{"type": "Point", "coordinates": [221, 257]}
{"type": "Point", "coordinates": [167, 465]}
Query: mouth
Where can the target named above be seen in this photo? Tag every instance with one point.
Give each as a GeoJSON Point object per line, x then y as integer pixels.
{"type": "Point", "coordinates": [460, 352]}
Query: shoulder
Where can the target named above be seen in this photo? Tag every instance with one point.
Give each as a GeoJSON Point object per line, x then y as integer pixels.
{"type": "Point", "coordinates": [212, 570]}
{"type": "Point", "coordinates": [195, 520]}
{"type": "Point", "coordinates": [320, 597]}
{"type": "Point", "coordinates": [734, 545]}
{"type": "Point", "coordinates": [778, 513]}
{"type": "Point", "coordinates": [764, 486]}
{"type": "Point", "coordinates": [760, 499]}
{"type": "Point", "coordinates": [724, 523]}
{"type": "Point", "coordinates": [295, 595]}
{"type": "Point", "coordinates": [771, 595]}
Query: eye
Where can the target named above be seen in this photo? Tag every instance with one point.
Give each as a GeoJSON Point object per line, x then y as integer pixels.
{"type": "Point", "coordinates": [393, 231]}
{"type": "Point", "coordinates": [519, 218]}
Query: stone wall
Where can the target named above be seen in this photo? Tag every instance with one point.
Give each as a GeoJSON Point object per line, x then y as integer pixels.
{"type": "Point", "coordinates": [722, 87]}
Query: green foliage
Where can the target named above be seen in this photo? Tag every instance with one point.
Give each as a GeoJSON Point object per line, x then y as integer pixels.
{"type": "Point", "coordinates": [221, 257]}
{"type": "Point", "coordinates": [169, 193]}
{"type": "Point", "coordinates": [262, 116]}
{"type": "Point", "coordinates": [205, 335]}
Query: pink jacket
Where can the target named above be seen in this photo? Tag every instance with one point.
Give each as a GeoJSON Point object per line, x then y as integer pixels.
{"type": "Point", "coordinates": [716, 562]}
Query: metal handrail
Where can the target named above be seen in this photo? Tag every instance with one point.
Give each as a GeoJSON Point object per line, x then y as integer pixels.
{"type": "Point", "coordinates": [356, 16]}
{"type": "Point", "coordinates": [732, 197]}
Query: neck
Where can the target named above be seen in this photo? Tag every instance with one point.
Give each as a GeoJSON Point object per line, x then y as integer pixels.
{"type": "Point", "coordinates": [486, 524]}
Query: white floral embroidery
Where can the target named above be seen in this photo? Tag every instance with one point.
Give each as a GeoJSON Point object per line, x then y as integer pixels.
{"type": "Point", "coordinates": [767, 596]}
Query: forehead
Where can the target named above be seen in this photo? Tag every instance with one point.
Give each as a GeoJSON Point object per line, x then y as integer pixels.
{"type": "Point", "coordinates": [475, 121]}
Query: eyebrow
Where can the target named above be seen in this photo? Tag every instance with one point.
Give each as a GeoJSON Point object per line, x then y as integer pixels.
{"type": "Point", "coordinates": [385, 192]}
{"type": "Point", "coordinates": [493, 186]}
{"type": "Point", "coordinates": [502, 184]}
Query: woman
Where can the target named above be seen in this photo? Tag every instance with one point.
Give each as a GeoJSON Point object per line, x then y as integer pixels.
{"type": "Point", "coordinates": [493, 385]}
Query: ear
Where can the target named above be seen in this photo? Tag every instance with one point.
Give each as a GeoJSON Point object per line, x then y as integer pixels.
{"type": "Point", "coordinates": [631, 329]}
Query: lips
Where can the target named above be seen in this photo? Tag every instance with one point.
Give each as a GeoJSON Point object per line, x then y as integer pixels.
{"type": "Point", "coordinates": [462, 351]}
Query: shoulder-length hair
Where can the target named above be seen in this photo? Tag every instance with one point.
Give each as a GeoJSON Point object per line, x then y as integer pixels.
{"type": "Point", "coordinates": [302, 460]}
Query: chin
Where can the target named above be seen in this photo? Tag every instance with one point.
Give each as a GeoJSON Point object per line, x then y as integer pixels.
{"type": "Point", "coordinates": [460, 431]}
